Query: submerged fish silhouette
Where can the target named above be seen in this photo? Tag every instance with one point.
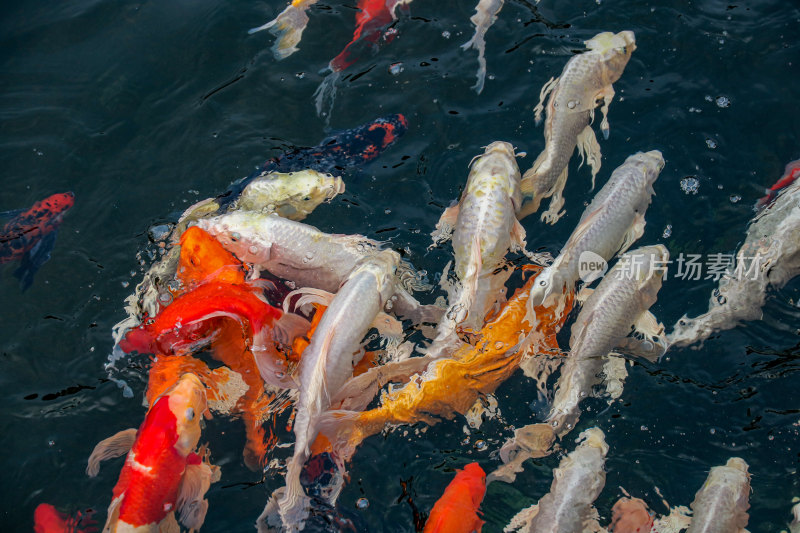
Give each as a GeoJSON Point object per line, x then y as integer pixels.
{"type": "Point", "coordinates": [344, 149]}
{"type": "Point", "coordinates": [31, 234]}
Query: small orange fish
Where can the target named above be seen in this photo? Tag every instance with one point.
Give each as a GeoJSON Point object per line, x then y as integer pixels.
{"type": "Point", "coordinates": [457, 510]}
{"type": "Point", "coordinates": [162, 472]}
{"type": "Point", "coordinates": [47, 519]}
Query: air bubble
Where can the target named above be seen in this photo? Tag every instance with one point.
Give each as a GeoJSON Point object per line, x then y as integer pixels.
{"type": "Point", "coordinates": [723, 101]}
{"type": "Point", "coordinates": [362, 503]}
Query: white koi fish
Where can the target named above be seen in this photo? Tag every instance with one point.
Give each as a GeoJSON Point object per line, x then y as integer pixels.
{"type": "Point", "coordinates": [310, 258]}
{"type": "Point", "coordinates": [328, 362]}
{"type": "Point", "coordinates": [586, 79]}
{"type": "Point", "coordinates": [484, 227]}
{"type": "Point", "coordinates": [485, 14]}
{"type": "Point", "coordinates": [769, 257]}
{"type": "Point", "coordinates": [609, 225]}
{"type": "Point", "coordinates": [577, 482]}
{"type": "Point", "coordinates": [288, 28]}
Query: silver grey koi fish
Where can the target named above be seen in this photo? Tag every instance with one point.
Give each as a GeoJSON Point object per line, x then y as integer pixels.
{"type": "Point", "coordinates": [609, 225]}
{"type": "Point", "coordinates": [586, 79]}
{"type": "Point", "coordinates": [577, 482]}
{"type": "Point", "coordinates": [288, 28]}
{"type": "Point", "coordinates": [769, 257]}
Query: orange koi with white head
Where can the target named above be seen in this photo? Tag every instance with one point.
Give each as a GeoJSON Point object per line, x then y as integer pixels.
{"type": "Point", "coordinates": [162, 472]}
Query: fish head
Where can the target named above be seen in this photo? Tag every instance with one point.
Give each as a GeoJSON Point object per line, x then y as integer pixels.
{"type": "Point", "coordinates": [649, 263]}
{"type": "Point", "coordinates": [240, 233]}
{"type": "Point", "coordinates": [476, 482]}
{"type": "Point", "coordinates": [387, 130]}
{"type": "Point", "coordinates": [315, 187]}
{"type": "Point", "coordinates": [615, 50]}
{"type": "Point", "coordinates": [187, 401]}
{"type": "Point", "coordinates": [55, 205]}
{"type": "Point", "coordinates": [543, 286]}
{"type": "Point", "coordinates": [383, 266]}
{"type": "Point", "coordinates": [650, 163]}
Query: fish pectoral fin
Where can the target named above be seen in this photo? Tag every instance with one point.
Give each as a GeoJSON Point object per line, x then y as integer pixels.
{"type": "Point", "coordinates": [615, 373]}
{"type": "Point", "coordinates": [607, 94]}
{"type": "Point", "coordinates": [169, 524]}
{"type": "Point", "coordinates": [554, 212]}
{"type": "Point", "coordinates": [530, 208]}
{"type": "Point", "coordinates": [649, 326]}
{"type": "Point", "coordinates": [583, 295]}
{"type": "Point", "coordinates": [191, 504]}
{"type": "Point", "coordinates": [309, 295]}
{"type": "Point", "coordinates": [589, 150]}
{"type": "Point", "coordinates": [113, 446]}
{"type": "Point", "coordinates": [634, 232]}
{"type": "Point", "coordinates": [388, 326]}
{"type": "Point", "coordinates": [444, 228]}
{"type": "Point", "coordinates": [546, 89]}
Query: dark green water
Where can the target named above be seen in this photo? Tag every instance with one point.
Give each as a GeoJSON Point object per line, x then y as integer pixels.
{"type": "Point", "coordinates": [144, 108]}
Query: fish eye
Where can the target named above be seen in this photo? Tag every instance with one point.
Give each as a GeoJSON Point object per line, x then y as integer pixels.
{"type": "Point", "coordinates": [542, 282]}
{"type": "Point", "coordinates": [190, 414]}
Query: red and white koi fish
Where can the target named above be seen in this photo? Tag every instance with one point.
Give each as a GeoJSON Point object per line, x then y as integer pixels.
{"type": "Point", "coordinates": [791, 173]}
{"type": "Point", "coordinates": [372, 18]}
{"type": "Point", "coordinates": [48, 519]}
{"type": "Point", "coordinates": [30, 235]}
{"type": "Point", "coordinates": [162, 473]}
{"type": "Point", "coordinates": [457, 510]}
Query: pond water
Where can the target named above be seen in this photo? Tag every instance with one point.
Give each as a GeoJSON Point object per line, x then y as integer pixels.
{"type": "Point", "coordinates": [143, 108]}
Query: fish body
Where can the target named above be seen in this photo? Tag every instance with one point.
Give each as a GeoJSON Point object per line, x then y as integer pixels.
{"type": "Point", "coordinates": [610, 224]}
{"type": "Point", "coordinates": [457, 510]}
{"type": "Point", "coordinates": [288, 28]}
{"type": "Point", "coordinates": [162, 473]}
{"type": "Point", "coordinates": [485, 14]}
{"type": "Point", "coordinates": [769, 257]}
{"type": "Point", "coordinates": [30, 235]}
{"type": "Point", "coordinates": [307, 256]}
{"type": "Point", "coordinates": [720, 506]}
{"type": "Point", "coordinates": [586, 79]}
{"type": "Point", "coordinates": [342, 150]}
{"type": "Point", "coordinates": [577, 482]}
{"type": "Point", "coordinates": [47, 519]}
{"type": "Point", "coordinates": [484, 228]}
{"type": "Point", "coordinates": [328, 362]}
{"type": "Point", "coordinates": [621, 301]}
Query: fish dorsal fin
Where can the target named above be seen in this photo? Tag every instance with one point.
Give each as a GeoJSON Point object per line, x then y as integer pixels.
{"type": "Point", "coordinates": [633, 233]}
{"type": "Point", "coordinates": [582, 228]}
{"type": "Point", "coordinates": [191, 504]}
{"type": "Point", "coordinates": [113, 446]}
{"type": "Point", "coordinates": [546, 89]}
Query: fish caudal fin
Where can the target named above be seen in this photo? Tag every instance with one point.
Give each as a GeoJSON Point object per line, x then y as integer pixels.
{"type": "Point", "coordinates": [33, 260]}
{"type": "Point", "coordinates": [293, 506]}
{"type": "Point", "coordinates": [113, 446]}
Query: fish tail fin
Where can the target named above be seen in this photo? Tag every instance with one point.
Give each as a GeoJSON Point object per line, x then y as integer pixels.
{"type": "Point", "coordinates": [293, 506]}
{"type": "Point", "coordinates": [325, 95]}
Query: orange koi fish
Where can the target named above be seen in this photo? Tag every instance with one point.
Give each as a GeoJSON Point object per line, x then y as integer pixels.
{"type": "Point", "coordinates": [30, 235]}
{"type": "Point", "coordinates": [47, 519]}
{"type": "Point", "coordinates": [451, 385]}
{"type": "Point", "coordinates": [457, 510]}
{"type": "Point", "coordinates": [203, 259]}
{"type": "Point", "coordinates": [790, 174]}
{"type": "Point", "coordinates": [162, 473]}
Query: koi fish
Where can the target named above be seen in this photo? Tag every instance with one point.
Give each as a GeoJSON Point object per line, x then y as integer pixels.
{"type": "Point", "coordinates": [769, 257]}
{"type": "Point", "coordinates": [329, 359]}
{"type": "Point", "coordinates": [620, 303]}
{"type": "Point", "coordinates": [484, 228]}
{"type": "Point", "coordinates": [609, 225]}
{"type": "Point", "coordinates": [577, 482]}
{"type": "Point", "coordinates": [586, 79]}
{"type": "Point", "coordinates": [794, 527]}
{"type": "Point", "coordinates": [30, 235]}
{"type": "Point", "coordinates": [47, 519]}
{"type": "Point", "coordinates": [485, 14]}
{"type": "Point", "coordinates": [184, 324]}
{"type": "Point", "coordinates": [162, 473]}
{"type": "Point", "coordinates": [311, 258]}
{"type": "Point", "coordinates": [722, 502]}
{"type": "Point", "coordinates": [449, 385]}
{"type": "Point", "coordinates": [372, 18]}
{"type": "Point", "coordinates": [457, 510]}
{"type": "Point", "coordinates": [288, 28]}
{"type": "Point", "coordinates": [790, 175]}
{"type": "Point", "coordinates": [342, 150]}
